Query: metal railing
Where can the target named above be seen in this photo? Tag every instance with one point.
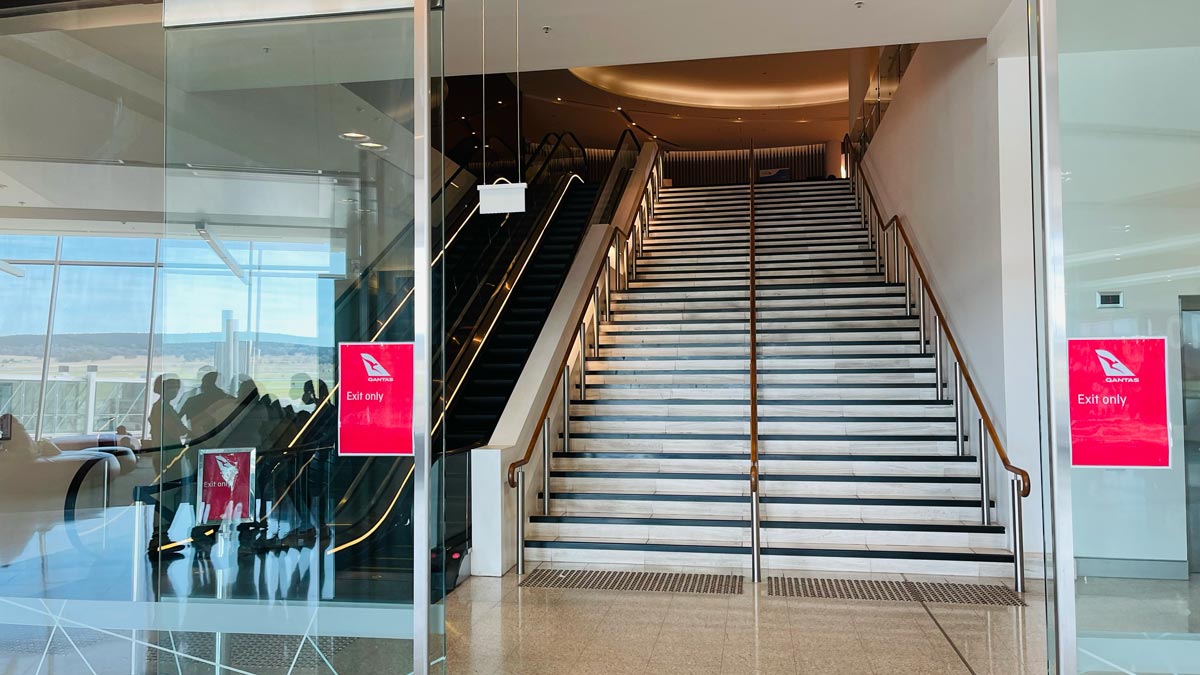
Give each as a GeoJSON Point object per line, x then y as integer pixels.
{"type": "Point", "coordinates": [755, 525]}
{"type": "Point", "coordinates": [896, 259]}
{"type": "Point", "coordinates": [617, 269]}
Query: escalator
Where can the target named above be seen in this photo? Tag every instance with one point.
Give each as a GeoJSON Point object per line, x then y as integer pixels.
{"type": "Point", "coordinates": [473, 413]}
{"type": "Point", "coordinates": [494, 284]}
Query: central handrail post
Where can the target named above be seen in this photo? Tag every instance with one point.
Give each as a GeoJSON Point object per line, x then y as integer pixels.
{"type": "Point", "coordinates": [985, 489]}
{"type": "Point", "coordinates": [958, 411]}
{"type": "Point", "coordinates": [755, 541]}
{"type": "Point", "coordinates": [566, 404]}
{"type": "Point", "coordinates": [520, 522]}
{"type": "Point", "coordinates": [583, 347]}
{"type": "Point", "coordinates": [546, 466]}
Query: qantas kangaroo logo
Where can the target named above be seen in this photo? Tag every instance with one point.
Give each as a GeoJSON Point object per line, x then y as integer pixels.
{"type": "Point", "coordinates": [375, 370]}
{"type": "Point", "coordinates": [1114, 370]}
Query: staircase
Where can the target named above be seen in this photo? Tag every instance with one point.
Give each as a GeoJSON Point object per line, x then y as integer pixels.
{"type": "Point", "coordinates": [858, 455]}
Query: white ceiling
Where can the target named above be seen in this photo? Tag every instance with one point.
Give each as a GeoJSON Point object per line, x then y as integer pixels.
{"type": "Point", "coordinates": [612, 32]}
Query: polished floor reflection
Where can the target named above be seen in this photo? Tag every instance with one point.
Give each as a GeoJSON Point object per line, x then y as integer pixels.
{"type": "Point", "coordinates": [496, 628]}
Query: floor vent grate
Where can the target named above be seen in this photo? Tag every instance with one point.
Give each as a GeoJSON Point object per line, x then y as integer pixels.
{"type": "Point", "coordinates": [894, 591]}
{"type": "Point", "coordinates": [611, 580]}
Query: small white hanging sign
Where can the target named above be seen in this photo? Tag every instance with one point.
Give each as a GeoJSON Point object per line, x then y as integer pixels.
{"type": "Point", "coordinates": [502, 198]}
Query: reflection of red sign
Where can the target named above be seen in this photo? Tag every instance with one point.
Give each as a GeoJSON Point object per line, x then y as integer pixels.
{"type": "Point", "coordinates": [375, 398]}
{"type": "Point", "coordinates": [226, 485]}
{"type": "Point", "coordinates": [1118, 391]}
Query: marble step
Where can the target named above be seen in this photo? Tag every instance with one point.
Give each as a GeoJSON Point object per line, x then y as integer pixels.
{"type": "Point", "coordinates": [874, 507]}
{"type": "Point", "coordinates": [764, 315]}
{"type": "Point", "coordinates": [891, 297]}
{"type": "Point", "coordinates": [741, 363]}
{"type": "Point", "coordinates": [802, 225]}
{"type": "Point", "coordinates": [767, 407]}
{"type": "Point", "coordinates": [767, 443]}
{"type": "Point", "coordinates": [714, 336]}
{"type": "Point", "coordinates": [706, 424]}
{"type": "Point", "coordinates": [766, 325]}
{"type": "Point", "coordinates": [791, 485]}
{"type": "Point", "coordinates": [723, 461]}
{"type": "Point", "coordinates": [668, 201]}
{"type": "Point", "coordinates": [850, 559]}
{"type": "Point", "coordinates": [766, 292]}
{"type": "Point", "coordinates": [683, 350]}
{"type": "Point", "coordinates": [794, 189]}
{"type": "Point", "coordinates": [666, 250]}
{"type": "Point", "coordinates": [741, 260]}
{"type": "Point", "coordinates": [765, 220]}
{"type": "Point", "coordinates": [736, 531]}
{"type": "Point", "coordinates": [765, 379]}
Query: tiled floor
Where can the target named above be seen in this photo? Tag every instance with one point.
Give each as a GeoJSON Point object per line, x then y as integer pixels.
{"type": "Point", "coordinates": [496, 628]}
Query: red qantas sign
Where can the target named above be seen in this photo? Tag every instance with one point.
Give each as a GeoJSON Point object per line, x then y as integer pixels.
{"type": "Point", "coordinates": [375, 398]}
{"type": "Point", "coordinates": [1118, 390]}
{"type": "Point", "coordinates": [226, 485]}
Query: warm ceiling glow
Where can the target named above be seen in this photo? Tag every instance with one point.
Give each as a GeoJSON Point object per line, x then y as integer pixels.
{"type": "Point", "coordinates": [622, 82]}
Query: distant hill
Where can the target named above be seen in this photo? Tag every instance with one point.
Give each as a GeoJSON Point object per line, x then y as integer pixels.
{"type": "Point", "coordinates": [78, 347]}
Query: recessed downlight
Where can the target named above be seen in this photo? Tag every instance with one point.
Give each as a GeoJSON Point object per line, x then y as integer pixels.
{"type": "Point", "coordinates": [356, 136]}
{"type": "Point", "coordinates": [372, 145]}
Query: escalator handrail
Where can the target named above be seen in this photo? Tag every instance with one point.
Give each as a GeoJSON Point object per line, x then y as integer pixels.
{"type": "Point", "coordinates": [528, 250]}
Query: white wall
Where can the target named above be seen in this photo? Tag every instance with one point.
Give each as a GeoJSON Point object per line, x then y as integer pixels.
{"type": "Point", "coordinates": [952, 157]}
{"type": "Point", "coordinates": [935, 161]}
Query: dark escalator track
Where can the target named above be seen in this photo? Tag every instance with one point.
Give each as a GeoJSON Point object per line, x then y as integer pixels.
{"type": "Point", "coordinates": [477, 406]}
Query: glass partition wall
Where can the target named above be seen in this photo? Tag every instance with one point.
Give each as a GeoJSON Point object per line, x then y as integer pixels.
{"type": "Point", "coordinates": [192, 219]}
{"type": "Point", "coordinates": [1122, 168]}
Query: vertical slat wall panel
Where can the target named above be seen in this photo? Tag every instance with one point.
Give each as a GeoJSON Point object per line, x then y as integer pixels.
{"type": "Point", "coordinates": [688, 168]}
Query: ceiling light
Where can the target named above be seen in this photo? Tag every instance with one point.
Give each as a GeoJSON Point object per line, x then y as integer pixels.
{"type": "Point", "coordinates": [499, 102]}
{"type": "Point", "coordinates": [618, 107]}
{"type": "Point", "coordinates": [371, 145]}
{"type": "Point", "coordinates": [654, 137]}
{"type": "Point", "coordinates": [558, 98]}
{"type": "Point", "coordinates": [633, 124]}
{"type": "Point", "coordinates": [356, 136]}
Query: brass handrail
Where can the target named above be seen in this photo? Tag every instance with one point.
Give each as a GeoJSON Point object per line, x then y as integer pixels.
{"type": "Point", "coordinates": [1020, 483]}
{"type": "Point", "coordinates": [755, 533]}
{"type": "Point", "coordinates": [897, 221]}
{"type": "Point", "coordinates": [966, 375]}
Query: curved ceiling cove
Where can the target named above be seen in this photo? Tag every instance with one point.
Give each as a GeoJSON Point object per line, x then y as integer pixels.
{"type": "Point", "coordinates": [708, 89]}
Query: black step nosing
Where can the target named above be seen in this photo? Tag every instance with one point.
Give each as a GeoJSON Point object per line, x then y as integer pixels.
{"type": "Point", "coordinates": [840, 330]}
{"type": "Point", "coordinates": [764, 371]}
{"type": "Point", "coordinates": [853, 438]}
{"type": "Point", "coordinates": [744, 310]}
{"type": "Point", "coordinates": [768, 319]}
{"type": "Point", "coordinates": [726, 345]}
{"type": "Point", "coordinates": [767, 456]}
{"type": "Point", "coordinates": [762, 402]}
{"type": "Point", "coordinates": [771, 419]}
{"type": "Point", "coordinates": [666, 521]}
{"type": "Point", "coordinates": [781, 298]}
{"type": "Point", "coordinates": [764, 385]}
{"type": "Point", "coordinates": [944, 502]}
{"type": "Point", "coordinates": [768, 287]}
{"type": "Point", "coordinates": [769, 477]}
{"type": "Point", "coordinates": [876, 553]}
{"type": "Point", "coordinates": [734, 357]}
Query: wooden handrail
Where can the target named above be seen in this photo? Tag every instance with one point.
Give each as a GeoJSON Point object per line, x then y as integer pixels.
{"type": "Point", "coordinates": [753, 341]}
{"type": "Point", "coordinates": [898, 222]}
{"type": "Point", "coordinates": [578, 322]}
